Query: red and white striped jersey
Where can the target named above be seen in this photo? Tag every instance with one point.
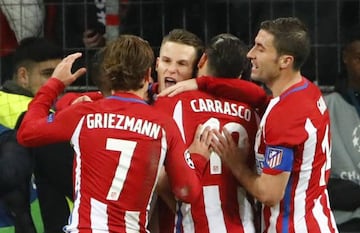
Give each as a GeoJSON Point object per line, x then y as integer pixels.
{"type": "Point", "coordinates": [224, 205]}
{"type": "Point", "coordinates": [294, 136]}
{"type": "Point", "coordinates": [120, 144]}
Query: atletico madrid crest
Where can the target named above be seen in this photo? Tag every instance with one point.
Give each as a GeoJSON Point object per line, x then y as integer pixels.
{"type": "Point", "coordinates": [274, 157]}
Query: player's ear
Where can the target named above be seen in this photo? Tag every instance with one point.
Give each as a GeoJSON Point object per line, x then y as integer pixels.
{"type": "Point", "coordinates": [286, 60]}
{"type": "Point", "coordinates": [148, 77]}
{"type": "Point", "coordinates": [157, 63]}
{"type": "Point", "coordinates": [202, 60]}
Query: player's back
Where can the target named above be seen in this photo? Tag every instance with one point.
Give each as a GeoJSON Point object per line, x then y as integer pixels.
{"type": "Point", "coordinates": [224, 206]}
{"type": "Point", "coordinates": [120, 144]}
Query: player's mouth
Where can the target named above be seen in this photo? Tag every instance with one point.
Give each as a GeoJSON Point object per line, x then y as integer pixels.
{"type": "Point", "coordinates": [169, 81]}
{"type": "Point", "coordinates": [253, 65]}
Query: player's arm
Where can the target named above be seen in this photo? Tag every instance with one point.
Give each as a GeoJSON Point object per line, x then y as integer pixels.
{"type": "Point", "coordinates": [200, 152]}
{"type": "Point", "coordinates": [235, 89]}
{"type": "Point", "coordinates": [268, 188]}
{"type": "Point", "coordinates": [163, 189]}
{"type": "Point", "coordinates": [184, 170]}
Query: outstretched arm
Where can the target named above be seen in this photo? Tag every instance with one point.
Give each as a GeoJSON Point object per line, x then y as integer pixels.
{"type": "Point", "coordinates": [235, 89]}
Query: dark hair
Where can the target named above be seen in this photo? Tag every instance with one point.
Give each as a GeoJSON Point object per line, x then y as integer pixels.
{"type": "Point", "coordinates": [185, 37]}
{"type": "Point", "coordinates": [35, 49]}
{"type": "Point", "coordinates": [227, 57]}
{"type": "Point", "coordinates": [126, 61]}
{"type": "Point", "coordinates": [351, 34]}
{"type": "Point", "coordinates": [290, 37]}
{"type": "Point", "coordinates": [97, 73]}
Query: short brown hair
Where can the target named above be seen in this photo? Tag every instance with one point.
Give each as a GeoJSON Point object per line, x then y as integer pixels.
{"type": "Point", "coordinates": [290, 37]}
{"type": "Point", "coordinates": [126, 61]}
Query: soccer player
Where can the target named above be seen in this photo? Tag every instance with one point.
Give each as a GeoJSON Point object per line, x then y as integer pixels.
{"type": "Point", "coordinates": [293, 142]}
{"type": "Point", "coordinates": [224, 205]}
{"type": "Point", "coordinates": [120, 142]}
{"type": "Point", "coordinates": [179, 54]}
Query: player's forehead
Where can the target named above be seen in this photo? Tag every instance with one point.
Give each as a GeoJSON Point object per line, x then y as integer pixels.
{"type": "Point", "coordinates": [177, 51]}
{"type": "Point", "coordinates": [264, 39]}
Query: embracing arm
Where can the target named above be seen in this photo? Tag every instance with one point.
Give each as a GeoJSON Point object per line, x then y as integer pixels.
{"type": "Point", "coordinates": [235, 89]}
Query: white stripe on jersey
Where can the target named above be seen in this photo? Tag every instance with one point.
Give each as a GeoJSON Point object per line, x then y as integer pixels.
{"type": "Point", "coordinates": [304, 177]}
{"type": "Point", "coordinates": [320, 217]}
{"type": "Point", "coordinates": [153, 197]}
{"type": "Point", "coordinates": [245, 211]}
{"type": "Point", "coordinates": [273, 217]}
{"type": "Point", "coordinates": [333, 222]}
{"type": "Point", "coordinates": [98, 216]}
{"type": "Point", "coordinates": [178, 117]}
{"type": "Point", "coordinates": [187, 222]}
{"type": "Point", "coordinates": [214, 213]}
{"type": "Point", "coordinates": [74, 218]}
{"type": "Point", "coordinates": [132, 221]}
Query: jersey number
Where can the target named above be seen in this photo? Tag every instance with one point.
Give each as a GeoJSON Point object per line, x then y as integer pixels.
{"type": "Point", "coordinates": [126, 149]}
{"type": "Point", "coordinates": [326, 148]}
{"type": "Point", "coordinates": [232, 127]}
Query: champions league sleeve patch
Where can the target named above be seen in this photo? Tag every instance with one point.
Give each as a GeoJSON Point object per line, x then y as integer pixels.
{"type": "Point", "coordinates": [188, 159]}
{"type": "Point", "coordinates": [278, 158]}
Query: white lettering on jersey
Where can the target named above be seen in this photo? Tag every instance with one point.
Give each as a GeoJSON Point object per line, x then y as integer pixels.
{"type": "Point", "coordinates": [209, 105]}
{"type": "Point", "coordinates": [117, 121]}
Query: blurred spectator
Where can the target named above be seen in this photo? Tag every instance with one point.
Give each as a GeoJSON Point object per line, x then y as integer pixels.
{"type": "Point", "coordinates": [78, 26]}
{"type": "Point", "coordinates": [34, 60]}
{"type": "Point", "coordinates": [344, 108]}
{"type": "Point", "coordinates": [18, 20]}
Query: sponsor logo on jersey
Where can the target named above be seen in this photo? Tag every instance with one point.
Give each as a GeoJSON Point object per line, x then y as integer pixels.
{"type": "Point", "coordinates": [274, 157]}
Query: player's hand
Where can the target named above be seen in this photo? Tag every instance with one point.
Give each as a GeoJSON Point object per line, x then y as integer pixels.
{"type": "Point", "coordinates": [63, 70]}
{"type": "Point", "coordinates": [227, 149]}
{"type": "Point", "coordinates": [83, 98]}
{"type": "Point", "coordinates": [202, 141]}
{"type": "Point", "coordinates": [187, 85]}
